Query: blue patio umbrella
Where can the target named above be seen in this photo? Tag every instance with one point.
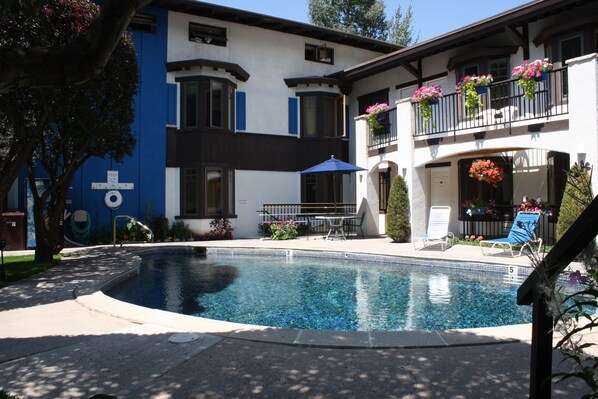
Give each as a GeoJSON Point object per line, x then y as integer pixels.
{"type": "Point", "coordinates": [333, 166]}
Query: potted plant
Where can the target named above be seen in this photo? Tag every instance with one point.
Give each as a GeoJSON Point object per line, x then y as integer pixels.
{"type": "Point", "coordinates": [478, 206]}
{"type": "Point", "coordinates": [471, 86]}
{"type": "Point", "coordinates": [487, 171]}
{"type": "Point", "coordinates": [529, 73]}
{"type": "Point", "coordinates": [425, 96]}
{"type": "Point", "coordinates": [535, 205]}
{"type": "Point", "coordinates": [375, 113]}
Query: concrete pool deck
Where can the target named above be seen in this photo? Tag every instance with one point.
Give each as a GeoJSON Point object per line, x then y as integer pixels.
{"type": "Point", "coordinates": [61, 337]}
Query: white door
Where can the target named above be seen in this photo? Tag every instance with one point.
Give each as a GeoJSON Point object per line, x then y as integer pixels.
{"type": "Point", "coordinates": [440, 186]}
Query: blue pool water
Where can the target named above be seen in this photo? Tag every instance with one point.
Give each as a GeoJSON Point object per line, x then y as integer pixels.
{"type": "Point", "coordinates": [323, 294]}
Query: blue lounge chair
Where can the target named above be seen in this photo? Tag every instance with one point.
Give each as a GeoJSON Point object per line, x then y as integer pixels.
{"type": "Point", "coordinates": [437, 228]}
{"type": "Point", "coordinates": [521, 234]}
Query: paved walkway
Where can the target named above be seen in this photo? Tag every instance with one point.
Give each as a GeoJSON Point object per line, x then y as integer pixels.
{"type": "Point", "coordinates": [58, 339]}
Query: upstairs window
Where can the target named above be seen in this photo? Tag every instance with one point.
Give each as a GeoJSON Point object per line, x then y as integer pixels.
{"type": "Point", "coordinates": [143, 23]}
{"type": "Point", "coordinates": [321, 115]}
{"type": "Point", "coordinates": [207, 34]}
{"type": "Point", "coordinates": [321, 53]}
{"type": "Point", "coordinates": [207, 103]}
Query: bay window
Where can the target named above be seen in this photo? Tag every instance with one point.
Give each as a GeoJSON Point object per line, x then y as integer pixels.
{"type": "Point", "coordinates": [207, 103]}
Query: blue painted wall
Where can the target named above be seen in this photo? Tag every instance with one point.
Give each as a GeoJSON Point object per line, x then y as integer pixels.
{"type": "Point", "coordinates": [146, 167]}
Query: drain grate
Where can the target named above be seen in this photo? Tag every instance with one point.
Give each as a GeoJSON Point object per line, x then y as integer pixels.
{"type": "Point", "coordinates": [182, 338]}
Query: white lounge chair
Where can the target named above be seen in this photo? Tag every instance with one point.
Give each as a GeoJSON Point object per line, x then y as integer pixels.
{"type": "Point", "coordinates": [437, 228]}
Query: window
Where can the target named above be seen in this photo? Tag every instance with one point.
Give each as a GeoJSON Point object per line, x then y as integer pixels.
{"type": "Point", "coordinates": [471, 189]}
{"type": "Point", "coordinates": [383, 189]}
{"type": "Point", "coordinates": [214, 97]}
{"type": "Point", "coordinates": [143, 23]}
{"type": "Point", "coordinates": [213, 191]}
{"type": "Point", "coordinates": [321, 115]}
{"type": "Point", "coordinates": [570, 47]}
{"type": "Point", "coordinates": [371, 99]}
{"type": "Point", "coordinates": [319, 53]}
{"type": "Point", "coordinates": [189, 195]}
{"type": "Point", "coordinates": [207, 34]}
{"type": "Point", "coordinates": [207, 192]}
{"type": "Point", "coordinates": [499, 95]}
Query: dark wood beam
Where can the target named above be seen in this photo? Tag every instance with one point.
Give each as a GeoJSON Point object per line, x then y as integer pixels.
{"type": "Point", "coordinates": [412, 70]}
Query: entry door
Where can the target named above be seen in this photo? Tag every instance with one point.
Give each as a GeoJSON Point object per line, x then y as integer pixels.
{"type": "Point", "coordinates": [440, 190]}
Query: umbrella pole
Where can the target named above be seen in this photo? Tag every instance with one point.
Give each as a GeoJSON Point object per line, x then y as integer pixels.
{"type": "Point", "coordinates": [334, 190]}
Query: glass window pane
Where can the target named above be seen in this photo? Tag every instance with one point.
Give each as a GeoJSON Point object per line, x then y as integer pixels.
{"type": "Point", "coordinates": [190, 104]}
{"type": "Point", "coordinates": [570, 48]}
{"type": "Point", "coordinates": [231, 192]}
{"type": "Point", "coordinates": [308, 116]}
{"type": "Point", "coordinates": [328, 117]}
{"type": "Point", "coordinates": [216, 103]}
{"type": "Point", "coordinates": [190, 187]}
{"type": "Point", "coordinates": [213, 191]}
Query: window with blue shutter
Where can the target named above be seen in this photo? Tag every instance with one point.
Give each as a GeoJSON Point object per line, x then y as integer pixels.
{"type": "Point", "coordinates": [293, 116]}
{"type": "Point", "coordinates": [241, 110]}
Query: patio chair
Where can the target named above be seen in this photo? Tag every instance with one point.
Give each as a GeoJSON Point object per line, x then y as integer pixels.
{"type": "Point", "coordinates": [521, 234]}
{"type": "Point", "coordinates": [437, 231]}
{"type": "Point", "coordinates": [353, 224]}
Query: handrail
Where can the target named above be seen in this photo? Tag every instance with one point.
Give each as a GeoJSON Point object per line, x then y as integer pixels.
{"type": "Point", "coordinates": [137, 222]}
{"type": "Point", "coordinates": [503, 105]}
{"type": "Point", "coordinates": [581, 233]}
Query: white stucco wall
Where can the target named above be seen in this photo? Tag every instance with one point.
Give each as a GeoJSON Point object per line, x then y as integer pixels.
{"type": "Point", "coordinates": [268, 56]}
{"type": "Point", "coordinates": [254, 188]}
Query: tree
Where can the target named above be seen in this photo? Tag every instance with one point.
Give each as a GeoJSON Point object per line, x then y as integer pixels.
{"type": "Point", "coordinates": [402, 29]}
{"type": "Point", "coordinates": [28, 63]}
{"type": "Point", "coordinates": [398, 226]}
{"type": "Point", "coordinates": [360, 17]}
{"type": "Point", "coordinates": [577, 196]}
{"type": "Point", "coordinates": [76, 61]}
{"type": "Point", "coordinates": [80, 121]}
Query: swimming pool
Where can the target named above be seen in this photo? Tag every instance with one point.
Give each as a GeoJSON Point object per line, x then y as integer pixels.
{"type": "Point", "coordinates": [324, 294]}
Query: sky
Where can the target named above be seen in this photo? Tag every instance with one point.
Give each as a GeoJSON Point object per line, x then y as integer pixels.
{"type": "Point", "coordinates": [431, 17]}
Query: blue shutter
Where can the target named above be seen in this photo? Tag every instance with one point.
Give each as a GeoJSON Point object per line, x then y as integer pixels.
{"type": "Point", "coordinates": [172, 99]}
{"type": "Point", "coordinates": [241, 114]}
{"type": "Point", "coordinates": [293, 116]}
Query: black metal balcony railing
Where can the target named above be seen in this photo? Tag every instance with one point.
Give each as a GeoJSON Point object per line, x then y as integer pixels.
{"type": "Point", "coordinates": [504, 104]}
{"type": "Point", "coordinates": [378, 138]}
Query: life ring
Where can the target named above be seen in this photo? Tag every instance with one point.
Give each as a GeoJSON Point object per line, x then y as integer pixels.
{"type": "Point", "coordinates": [113, 199]}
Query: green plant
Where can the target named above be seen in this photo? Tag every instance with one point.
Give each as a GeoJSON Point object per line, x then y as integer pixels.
{"type": "Point", "coordinates": [468, 87]}
{"type": "Point", "coordinates": [286, 230]}
{"type": "Point", "coordinates": [425, 96]}
{"type": "Point", "coordinates": [4, 395]}
{"type": "Point", "coordinates": [180, 231]}
{"type": "Point", "coordinates": [373, 112]}
{"type": "Point", "coordinates": [159, 227]}
{"type": "Point", "coordinates": [527, 74]}
{"type": "Point", "coordinates": [135, 232]}
{"type": "Point", "coordinates": [578, 193]}
{"type": "Point", "coordinates": [220, 229]}
{"type": "Point", "coordinates": [398, 226]}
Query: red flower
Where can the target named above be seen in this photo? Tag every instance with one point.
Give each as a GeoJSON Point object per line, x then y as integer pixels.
{"type": "Point", "coordinates": [487, 171]}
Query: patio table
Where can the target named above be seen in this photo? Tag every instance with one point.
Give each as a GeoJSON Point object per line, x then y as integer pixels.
{"type": "Point", "coordinates": [335, 224]}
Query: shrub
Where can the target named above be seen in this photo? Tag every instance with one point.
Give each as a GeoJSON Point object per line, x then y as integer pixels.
{"type": "Point", "coordinates": [180, 231]}
{"type": "Point", "coordinates": [159, 227]}
{"type": "Point", "coordinates": [398, 226]}
{"type": "Point", "coordinates": [578, 194]}
{"type": "Point", "coordinates": [284, 230]}
{"type": "Point", "coordinates": [220, 229]}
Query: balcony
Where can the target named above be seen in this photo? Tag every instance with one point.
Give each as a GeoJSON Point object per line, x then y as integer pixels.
{"type": "Point", "coordinates": [383, 137]}
{"type": "Point", "coordinates": [503, 105]}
